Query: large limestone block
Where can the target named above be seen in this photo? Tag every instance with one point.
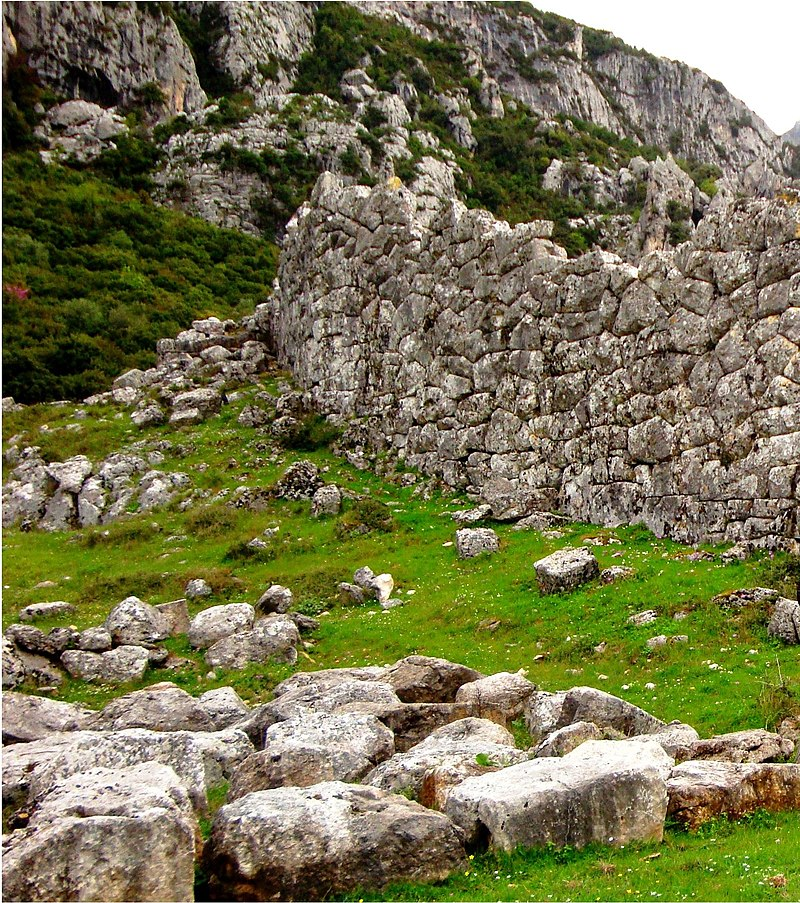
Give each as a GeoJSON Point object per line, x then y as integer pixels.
{"type": "Point", "coordinates": [740, 746]}
{"type": "Point", "coordinates": [423, 678]}
{"type": "Point", "coordinates": [126, 834]}
{"type": "Point", "coordinates": [605, 791]}
{"type": "Point", "coordinates": [702, 790]}
{"type": "Point", "coordinates": [546, 712]}
{"type": "Point", "coordinates": [504, 692]}
{"type": "Point", "coordinates": [565, 570]}
{"type": "Point", "coordinates": [274, 638]}
{"type": "Point", "coordinates": [312, 749]}
{"type": "Point", "coordinates": [471, 542]}
{"type": "Point", "coordinates": [466, 742]}
{"type": "Point", "coordinates": [201, 760]}
{"type": "Point", "coordinates": [117, 666]}
{"type": "Point", "coordinates": [309, 843]}
{"type": "Point", "coordinates": [160, 707]}
{"type": "Point", "coordinates": [212, 624]}
{"type": "Point", "coordinates": [785, 621]}
{"type": "Point", "coordinates": [135, 623]}
{"type": "Point", "coordinates": [27, 718]}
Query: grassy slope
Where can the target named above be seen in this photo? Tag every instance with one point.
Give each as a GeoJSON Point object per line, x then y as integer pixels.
{"type": "Point", "coordinates": [153, 555]}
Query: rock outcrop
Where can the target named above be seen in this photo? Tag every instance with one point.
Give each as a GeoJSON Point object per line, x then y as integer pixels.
{"type": "Point", "coordinates": [555, 66]}
{"type": "Point", "coordinates": [107, 53]}
{"type": "Point", "coordinates": [665, 394]}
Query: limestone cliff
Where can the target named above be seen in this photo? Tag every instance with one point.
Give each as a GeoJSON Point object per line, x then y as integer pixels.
{"type": "Point", "coordinates": [558, 66]}
{"type": "Point", "coordinates": [667, 394]}
{"type": "Point", "coordinates": [106, 53]}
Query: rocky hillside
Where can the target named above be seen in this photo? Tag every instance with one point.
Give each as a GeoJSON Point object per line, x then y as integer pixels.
{"type": "Point", "coordinates": [558, 66]}
{"type": "Point", "coordinates": [551, 64]}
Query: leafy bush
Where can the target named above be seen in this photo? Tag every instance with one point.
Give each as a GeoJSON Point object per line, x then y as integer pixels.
{"type": "Point", "coordinates": [365, 516]}
{"type": "Point", "coordinates": [95, 275]}
{"type": "Point", "coordinates": [311, 433]}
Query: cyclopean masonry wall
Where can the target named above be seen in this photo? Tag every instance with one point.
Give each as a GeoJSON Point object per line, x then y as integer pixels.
{"type": "Point", "coordinates": [667, 394]}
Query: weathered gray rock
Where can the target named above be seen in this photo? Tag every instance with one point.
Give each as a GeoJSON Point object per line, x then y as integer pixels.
{"type": "Point", "coordinates": [197, 588]}
{"type": "Point", "coordinates": [219, 621]}
{"type": "Point", "coordinates": [785, 621]}
{"type": "Point", "coordinates": [703, 790]}
{"type": "Point", "coordinates": [27, 718]}
{"type": "Point", "coordinates": [673, 738]}
{"type": "Point", "coordinates": [609, 792]}
{"type": "Point", "coordinates": [273, 638]}
{"type": "Point", "coordinates": [46, 610]}
{"type": "Point", "coordinates": [546, 712]}
{"type": "Point", "coordinates": [456, 748]}
{"type": "Point", "coordinates": [615, 573]}
{"type": "Point", "coordinates": [565, 739]}
{"type": "Point", "coordinates": [306, 843]}
{"type": "Point", "coordinates": [741, 598]}
{"type": "Point", "coordinates": [503, 692]}
{"type": "Point", "coordinates": [276, 599]}
{"type": "Point", "coordinates": [466, 517]}
{"type": "Point", "coordinates": [126, 834]}
{"type": "Point", "coordinates": [159, 707]}
{"type": "Point", "coordinates": [201, 760]}
{"type": "Point", "coordinates": [117, 666]}
{"type": "Point", "coordinates": [422, 678]}
{"type": "Point", "coordinates": [177, 616]}
{"type": "Point", "coordinates": [322, 681]}
{"type": "Point", "coordinates": [755, 745]}
{"type": "Point", "coordinates": [326, 501]}
{"type": "Point", "coordinates": [135, 623]}
{"type": "Point", "coordinates": [476, 541]}
{"type": "Point", "coordinates": [300, 481]}
{"type": "Point", "coordinates": [312, 749]}
{"type": "Point", "coordinates": [565, 570]}
{"type": "Point", "coordinates": [28, 638]}
{"type": "Point", "coordinates": [13, 667]}
{"type": "Point", "coordinates": [95, 639]}
{"type": "Point", "coordinates": [224, 706]}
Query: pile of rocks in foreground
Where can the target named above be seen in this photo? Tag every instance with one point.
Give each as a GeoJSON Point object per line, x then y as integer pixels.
{"type": "Point", "coordinates": [353, 777]}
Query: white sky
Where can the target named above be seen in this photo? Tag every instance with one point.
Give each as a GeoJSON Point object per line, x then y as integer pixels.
{"type": "Point", "coordinates": [752, 47]}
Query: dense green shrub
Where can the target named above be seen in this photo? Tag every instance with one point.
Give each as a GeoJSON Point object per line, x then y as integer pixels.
{"type": "Point", "coordinates": [94, 275]}
{"type": "Point", "coordinates": [365, 516]}
{"type": "Point", "coordinates": [311, 433]}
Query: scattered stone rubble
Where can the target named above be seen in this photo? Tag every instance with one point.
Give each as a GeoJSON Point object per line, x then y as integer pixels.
{"type": "Point", "coordinates": [132, 779]}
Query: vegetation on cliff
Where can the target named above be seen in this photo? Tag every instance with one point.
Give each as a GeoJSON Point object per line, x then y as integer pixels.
{"type": "Point", "coordinates": [95, 274]}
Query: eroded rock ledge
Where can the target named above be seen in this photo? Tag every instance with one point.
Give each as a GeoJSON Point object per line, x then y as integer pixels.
{"type": "Point", "coordinates": [667, 394]}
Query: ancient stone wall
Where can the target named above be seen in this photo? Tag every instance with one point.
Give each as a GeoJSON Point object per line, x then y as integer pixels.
{"type": "Point", "coordinates": [667, 394]}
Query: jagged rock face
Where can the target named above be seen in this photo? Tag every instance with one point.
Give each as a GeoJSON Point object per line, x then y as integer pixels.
{"type": "Point", "coordinates": [256, 33]}
{"type": "Point", "coordinates": [793, 135]}
{"type": "Point", "coordinates": [666, 394]}
{"type": "Point", "coordinates": [103, 52]}
{"type": "Point", "coordinates": [654, 100]}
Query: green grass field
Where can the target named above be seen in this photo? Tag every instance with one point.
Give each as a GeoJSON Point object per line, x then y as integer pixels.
{"type": "Point", "coordinates": [485, 612]}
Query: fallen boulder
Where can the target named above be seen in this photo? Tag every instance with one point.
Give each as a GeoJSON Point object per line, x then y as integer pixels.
{"type": "Point", "coordinates": [135, 623]}
{"type": "Point", "coordinates": [504, 692]}
{"type": "Point", "coordinates": [159, 707]}
{"type": "Point", "coordinates": [308, 843]}
{"type": "Point", "coordinates": [701, 790]}
{"type": "Point", "coordinates": [117, 666]}
{"type": "Point", "coordinates": [273, 638]}
{"type": "Point", "coordinates": [565, 570]}
{"type": "Point", "coordinates": [605, 791]}
{"type": "Point", "coordinates": [219, 621]}
{"type": "Point", "coordinates": [471, 542]}
{"type": "Point", "coordinates": [126, 834]}
{"type": "Point", "coordinates": [422, 678]}
{"type": "Point", "coordinates": [464, 748]}
{"type": "Point", "coordinates": [27, 718]}
{"type": "Point", "coordinates": [312, 749]}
